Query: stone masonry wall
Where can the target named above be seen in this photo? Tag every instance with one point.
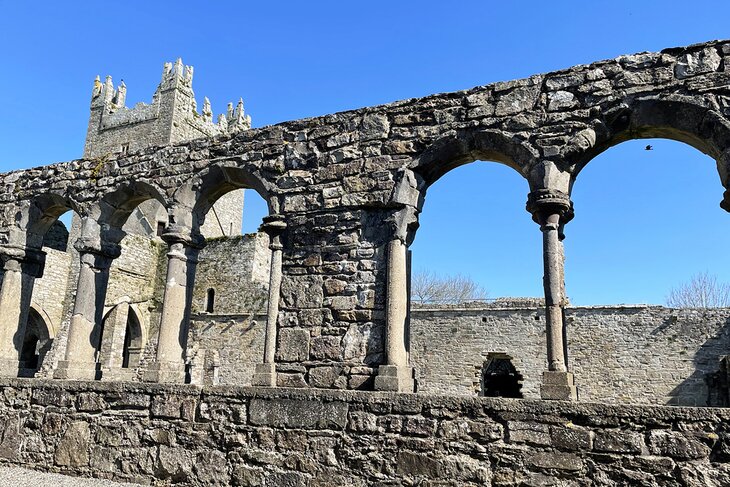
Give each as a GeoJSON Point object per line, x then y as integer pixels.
{"type": "Point", "coordinates": [232, 267]}
{"type": "Point", "coordinates": [347, 184]}
{"type": "Point", "coordinates": [623, 354]}
{"type": "Point", "coordinates": [219, 436]}
{"type": "Point", "coordinates": [49, 292]}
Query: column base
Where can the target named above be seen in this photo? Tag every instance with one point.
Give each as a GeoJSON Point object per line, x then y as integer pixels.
{"type": "Point", "coordinates": [166, 373]}
{"type": "Point", "coordinates": [71, 370]}
{"type": "Point", "coordinates": [395, 378]}
{"type": "Point", "coordinates": [558, 386]}
{"type": "Point", "coordinates": [264, 375]}
{"type": "Point", "coordinates": [9, 368]}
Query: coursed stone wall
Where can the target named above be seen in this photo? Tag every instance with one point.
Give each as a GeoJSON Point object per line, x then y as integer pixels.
{"type": "Point", "coordinates": [219, 436]}
{"type": "Point", "coordinates": [619, 354]}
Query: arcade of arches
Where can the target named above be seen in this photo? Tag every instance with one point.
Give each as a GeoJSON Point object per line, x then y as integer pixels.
{"type": "Point", "coordinates": [344, 193]}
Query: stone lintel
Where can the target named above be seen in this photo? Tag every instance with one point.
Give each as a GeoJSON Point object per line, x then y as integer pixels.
{"type": "Point", "coordinates": [558, 386]}
{"type": "Point", "coordinates": [72, 370]}
{"type": "Point", "coordinates": [394, 378]}
{"type": "Point", "coordinates": [264, 375]}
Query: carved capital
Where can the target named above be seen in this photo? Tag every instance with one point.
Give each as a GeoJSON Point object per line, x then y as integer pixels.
{"type": "Point", "coordinates": [98, 247]}
{"type": "Point", "coordinates": [404, 224]}
{"type": "Point", "coordinates": [545, 202]}
{"type": "Point", "coordinates": [178, 234]}
{"type": "Point", "coordinates": [23, 259]}
{"type": "Point", "coordinates": [273, 225]}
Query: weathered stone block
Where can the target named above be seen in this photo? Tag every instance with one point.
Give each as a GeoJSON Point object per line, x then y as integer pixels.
{"type": "Point", "coordinates": [73, 449]}
{"type": "Point", "coordinates": [90, 402]}
{"type": "Point", "coordinates": [616, 441]}
{"type": "Point", "coordinates": [418, 465]}
{"type": "Point", "coordinates": [326, 347]}
{"type": "Point", "coordinates": [533, 433]}
{"type": "Point", "coordinates": [677, 445]}
{"type": "Point", "coordinates": [302, 291]}
{"type": "Point", "coordinates": [293, 345]}
{"type": "Point", "coordinates": [298, 414]}
{"type": "Point", "coordinates": [324, 377]}
{"type": "Point", "coordinates": [556, 460]}
{"type": "Point", "coordinates": [573, 438]}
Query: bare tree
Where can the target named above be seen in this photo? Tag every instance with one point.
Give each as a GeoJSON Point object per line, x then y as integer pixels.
{"type": "Point", "coordinates": [701, 291]}
{"type": "Point", "coordinates": [430, 288]}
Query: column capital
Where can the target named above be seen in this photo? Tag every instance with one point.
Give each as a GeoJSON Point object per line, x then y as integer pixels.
{"type": "Point", "coordinates": [545, 202]}
{"type": "Point", "coordinates": [274, 226]}
{"type": "Point", "coordinates": [175, 234]}
{"type": "Point", "coordinates": [96, 246]}
{"type": "Point", "coordinates": [25, 259]}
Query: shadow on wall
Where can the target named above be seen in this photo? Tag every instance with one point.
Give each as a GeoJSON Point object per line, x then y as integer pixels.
{"type": "Point", "coordinates": [708, 384]}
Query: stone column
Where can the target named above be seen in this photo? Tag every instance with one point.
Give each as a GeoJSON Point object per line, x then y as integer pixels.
{"type": "Point", "coordinates": [396, 375]}
{"type": "Point", "coordinates": [80, 361]}
{"type": "Point", "coordinates": [265, 374]}
{"type": "Point", "coordinates": [182, 258]}
{"type": "Point", "coordinates": [21, 268]}
{"type": "Point", "coordinates": [552, 209]}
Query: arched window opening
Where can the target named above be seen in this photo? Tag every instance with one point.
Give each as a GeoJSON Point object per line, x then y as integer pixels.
{"type": "Point", "coordinates": [500, 378]}
{"type": "Point", "coordinates": [132, 349]}
{"type": "Point", "coordinates": [210, 301]}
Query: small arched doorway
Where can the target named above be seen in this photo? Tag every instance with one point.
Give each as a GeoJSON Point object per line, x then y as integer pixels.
{"type": "Point", "coordinates": [500, 378]}
{"type": "Point", "coordinates": [122, 340]}
{"type": "Point", "coordinates": [36, 343]}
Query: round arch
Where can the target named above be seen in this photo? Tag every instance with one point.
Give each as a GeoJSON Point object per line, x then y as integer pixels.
{"type": "Point", "coordinates": [676, 118]}
{"type": "Point", "coordinates": [43, 211]}
{"type": "Point", "coordinates": [466, 146]}
{"type": "Point", "coordinates": [115, 207]}
{"type": "Point", "coordinates": [193, 201]}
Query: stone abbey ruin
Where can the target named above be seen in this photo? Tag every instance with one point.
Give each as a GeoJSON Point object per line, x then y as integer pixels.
{"type": "Point", "coordinates": [289, 357]}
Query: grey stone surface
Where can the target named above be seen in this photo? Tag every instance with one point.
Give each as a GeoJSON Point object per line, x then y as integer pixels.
{"type": "Point", "coordinates": [190, 435]}
{"type": "Point", "coordinates": [347, 184]}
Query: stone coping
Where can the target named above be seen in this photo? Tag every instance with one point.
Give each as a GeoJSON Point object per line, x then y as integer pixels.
{"type": "Point", "coordinates": [397, 402]}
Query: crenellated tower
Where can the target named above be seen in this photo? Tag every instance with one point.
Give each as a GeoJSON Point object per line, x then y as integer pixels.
{"type": "Point", "coordinates": [171, 117]}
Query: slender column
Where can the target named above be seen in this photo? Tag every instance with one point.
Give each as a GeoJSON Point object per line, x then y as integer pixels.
{"type": "Point", "coordinates": [265, 374]}
{"type": "Point", "coordinates": [552, 209]}
{"type": "Point", "coordinates": [21, 267]}
{"type": "Point", "coordinates": [80, 360]}
{"type": "Point", "coordinates": [396, 375]}
{"type": "Point", "coordinates": [182, 259]}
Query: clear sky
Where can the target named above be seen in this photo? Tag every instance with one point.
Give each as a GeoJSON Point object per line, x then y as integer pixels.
{"type": "Point", "coordinates": [645, 221]}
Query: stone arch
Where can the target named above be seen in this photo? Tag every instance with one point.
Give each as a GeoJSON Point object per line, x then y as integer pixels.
{"type": "Point", "coordinates": [192, 201]}
{"type": "Point", "coordinates": [464, 146]}
{"type": "Point", "coordinates": [114, 207]}
{"type": "Point", "coordinates": [123, 336]}
{"type": "Point", "coordinates": [42, 212]}
{"type": "Point", "coordinates": [692, 121]}
{"type": "Point", "coordinates": [500, 378]}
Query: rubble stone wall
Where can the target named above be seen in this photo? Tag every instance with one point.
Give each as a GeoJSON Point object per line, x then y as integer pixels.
{"type": "Point", "coordinates": [219, 436]}
{"type": "Point", "coordinates": [619, 354]}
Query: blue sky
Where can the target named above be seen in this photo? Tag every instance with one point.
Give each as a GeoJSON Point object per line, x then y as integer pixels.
{"type": "Point", "coordinates": [645, 221]}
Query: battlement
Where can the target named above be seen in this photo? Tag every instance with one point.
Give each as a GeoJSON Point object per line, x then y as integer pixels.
{"type": "Point", "coordinates": [171, 117]}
